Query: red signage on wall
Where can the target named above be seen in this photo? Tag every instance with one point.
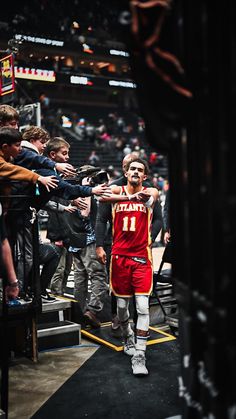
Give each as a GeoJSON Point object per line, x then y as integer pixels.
{"type": "Point", "coordinates": [7, 78]}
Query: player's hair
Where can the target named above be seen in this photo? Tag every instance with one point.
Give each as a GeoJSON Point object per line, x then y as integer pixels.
{"type": "Point", "coordinates": [139, 160]}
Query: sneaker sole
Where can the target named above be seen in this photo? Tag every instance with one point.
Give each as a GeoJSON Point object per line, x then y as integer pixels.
{"type": "Point", "coordinates": [140, 374]}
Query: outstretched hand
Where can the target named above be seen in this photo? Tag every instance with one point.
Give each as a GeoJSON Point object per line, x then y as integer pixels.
{"type": "Point", "coordinates": [66, 168]}
{"type": "Point", "coordinates": [80, 203]}
{"type": "Point", "coordinates": [50, 182]}
{"type": "Point", "coordinates": [102, 190]}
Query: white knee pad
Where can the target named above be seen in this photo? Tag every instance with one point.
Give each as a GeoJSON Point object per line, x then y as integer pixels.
{"type": "Point", "coordinates": [123, 315]}
{"type": "Point", "coordinates": [142, 307]}
{"type": "Point", "coordinates": [123, 308]}
{"type": "Point", "coordinates": [142, 304]}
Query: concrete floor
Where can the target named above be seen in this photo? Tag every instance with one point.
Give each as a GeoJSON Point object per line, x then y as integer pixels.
{"type": "Point", "coordinates": [31, 384]}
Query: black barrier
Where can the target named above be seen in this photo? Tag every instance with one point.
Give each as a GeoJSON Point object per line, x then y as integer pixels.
{"type": "Point", "coordinates": [17, 316]}
{"type": "Point", "coordinates": [183, 57]}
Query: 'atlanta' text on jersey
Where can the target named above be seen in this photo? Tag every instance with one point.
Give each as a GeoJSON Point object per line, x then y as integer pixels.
{"type": "Point", "coordinates": [131, 206]}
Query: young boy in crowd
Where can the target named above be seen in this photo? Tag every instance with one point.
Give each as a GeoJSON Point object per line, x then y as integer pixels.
{"type": "Point", "coordinates": [10, 147]}
{"type": "Point", "coordinates": [34, 140]}
{"type": "Point", "coordinates": [9, 117]}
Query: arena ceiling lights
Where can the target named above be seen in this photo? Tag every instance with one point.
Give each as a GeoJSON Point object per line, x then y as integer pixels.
{"type": "Point", "coordinates": [119, 53]}
{"type": "Point", "coordinates": [120, 83]}
{"type": "Point", "coordinates": [81, 80]}
{"type": "Point", "coordinates": [40, 40]}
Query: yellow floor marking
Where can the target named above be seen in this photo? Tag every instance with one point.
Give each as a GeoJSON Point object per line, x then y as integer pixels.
{"type": "Point", "coordinates": [167, 337]}
{"type": "Point", "coordinates": [105, 342]}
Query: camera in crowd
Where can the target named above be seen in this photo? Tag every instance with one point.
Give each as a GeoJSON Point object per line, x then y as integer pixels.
{"type": "Point", "coordinates": [99, 178]}
{"type": "Point", "coordinates": [96, 175]}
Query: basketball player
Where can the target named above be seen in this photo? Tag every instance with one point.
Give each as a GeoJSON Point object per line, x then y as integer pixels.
{"type": "Point", "coordinates": [131, 270]}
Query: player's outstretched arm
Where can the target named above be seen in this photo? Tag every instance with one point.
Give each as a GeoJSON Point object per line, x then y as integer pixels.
{"type": "Point", "coordinates": [114, 195]}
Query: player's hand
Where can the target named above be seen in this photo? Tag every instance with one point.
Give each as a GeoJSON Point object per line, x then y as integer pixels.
{"type": "Point", "coordinates": [101, 255]}
{"type": "Point", "coordinates": [50, 182]}
{"type": "Point", "coordinates": [142, 196]}
{"type": "Point", "coordinates": [133, 197]}
{"type": "Point", "coordinates": [66, 168]}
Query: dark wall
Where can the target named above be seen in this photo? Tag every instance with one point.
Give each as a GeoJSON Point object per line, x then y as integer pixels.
{"type": "Point", "coordinates": [183, 59]}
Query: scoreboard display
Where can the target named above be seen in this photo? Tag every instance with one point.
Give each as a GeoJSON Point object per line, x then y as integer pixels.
{"type": "Point", "coordinates": [7, 77]}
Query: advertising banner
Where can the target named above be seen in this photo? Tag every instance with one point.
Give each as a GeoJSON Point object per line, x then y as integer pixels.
{"type": "Point", "coordinates": [7, 79]}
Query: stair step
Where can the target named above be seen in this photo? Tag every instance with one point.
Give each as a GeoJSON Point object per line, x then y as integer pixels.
{"type": "Point", "coordinates": [58, 304]}
{"type": "Point", "coordinates": [164, 299]}
{"type": "Point", "coordinates": [56, 328]}
{"type": "Point", "coordinates": [157, 316]}
{"type": "Point", "coordinates": [55, 311]}
{"type": "Point", "coordinates": [160, 286]}
{"type": "Point", "coordinates": [50, 317]}
{"type": "Point", "coordinates": [58, 334]}
{"type": "Point", "coordinates": [172, 320]}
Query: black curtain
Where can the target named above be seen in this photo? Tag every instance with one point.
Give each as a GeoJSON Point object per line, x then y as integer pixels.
{"type": "Point", "coordinates": [183, 60]}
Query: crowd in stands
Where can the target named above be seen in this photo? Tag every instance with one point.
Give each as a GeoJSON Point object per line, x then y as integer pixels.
{"type": "Point", "coordinates": [99, 132]}
{"type": "Point", "coordinates": [118, 135]}
{"type": "Point", "coordinates": [80, 19]}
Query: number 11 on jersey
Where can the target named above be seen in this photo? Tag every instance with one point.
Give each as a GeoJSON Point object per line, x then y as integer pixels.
{"type": "Point", "coordinates": [129, 224]}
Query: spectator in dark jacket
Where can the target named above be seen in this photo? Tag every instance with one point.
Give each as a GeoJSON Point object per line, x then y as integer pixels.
{"type": "Point", "coordinates": [58, 151]}
{"type": "Point", "coordinates": [86, 266]}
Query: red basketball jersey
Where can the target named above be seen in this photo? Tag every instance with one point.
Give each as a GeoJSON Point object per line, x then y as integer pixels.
{"type": "Point", "coordinates": [131, 228]}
